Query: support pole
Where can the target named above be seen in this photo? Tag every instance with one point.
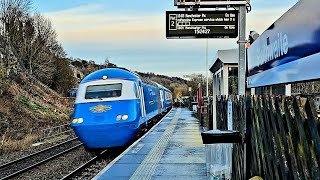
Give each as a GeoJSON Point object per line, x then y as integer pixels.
{"type": "Point", "coordinates": [214, 103]}
{"type": "Point", "coordinates": [288, 89]}
{"type": "Point", "coordinates": [242, 76]}
{"type": "Point", "coordinates": [242, 51]}
{"type": "Point", "coordinates": [207, 69]}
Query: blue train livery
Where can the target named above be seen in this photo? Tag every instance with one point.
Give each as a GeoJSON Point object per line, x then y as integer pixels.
{"type": "Point", "coordinates": [112, 104]}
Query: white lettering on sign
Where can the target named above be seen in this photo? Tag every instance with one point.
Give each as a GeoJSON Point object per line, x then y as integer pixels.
{"type": "Point", "coordinates": [271, 50]}
{"type": "Point", "coordinates": [193, 15]}
{"type": "Point", "coordinates": [202, 31]}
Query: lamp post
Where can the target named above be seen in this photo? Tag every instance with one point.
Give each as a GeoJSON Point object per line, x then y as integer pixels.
{"type": "Point", "coordinates": [207, 94]}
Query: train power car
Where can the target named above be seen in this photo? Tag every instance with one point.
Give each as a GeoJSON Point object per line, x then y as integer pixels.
{"type": "Point", "coordinates": [112, 104]}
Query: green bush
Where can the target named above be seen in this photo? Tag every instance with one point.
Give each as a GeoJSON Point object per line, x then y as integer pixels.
{"type": "Point", "coordinates": [24, 100]}
{"type": "Point", "coordinates": [63, 79]}
{"type": "Point", "coordinates": [35, 107]}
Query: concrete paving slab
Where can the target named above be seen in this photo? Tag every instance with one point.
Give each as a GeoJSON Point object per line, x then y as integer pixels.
{"type": "Point", "coordinates": [191, 151]}
{"type": "Point", "coordinates": [183, 158]}
{"type": "Point", "coordinates": [181, 169]}
{"type": "Point", "coordinates": [173, 177]}
{"type": "Point", "coordinates": [173, 150]}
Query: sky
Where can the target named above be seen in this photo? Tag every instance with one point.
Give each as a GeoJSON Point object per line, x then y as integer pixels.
{"type": "Point", "coordinates": [131, 33]}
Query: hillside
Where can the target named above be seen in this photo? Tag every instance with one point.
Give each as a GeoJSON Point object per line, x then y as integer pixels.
{"type": "Point", "coordinates": [26, 107]}
{"type": "Point", "coordinates": [35, 74]}
{"type": "Point", "coordinates": [177, 85]}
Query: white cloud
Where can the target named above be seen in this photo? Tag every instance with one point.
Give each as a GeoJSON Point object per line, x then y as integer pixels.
{"type": "Point", "coordinates": [261, 19]}
{"type": "Point", "coordinates": [91, 23]}
{"type": "Point", "coordinates": [94, 25]}
{"type": "Point", "coordinates": [90, 31]}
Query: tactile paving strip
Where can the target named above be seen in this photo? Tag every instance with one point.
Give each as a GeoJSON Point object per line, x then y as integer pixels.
{"type": "Point", "coordinates": [148, 166]}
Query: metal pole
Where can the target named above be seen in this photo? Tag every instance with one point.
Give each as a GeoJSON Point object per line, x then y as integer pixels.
{"type": "Point", "coordinates": [288, 89]}
{"type": "Point", "coordinates": [242, 51]}
{"type": "Point", "coordinates": [207, 69]}
{"type": "Point", "coordinates": [214, 113]}
{"type": "Point", "coordinates": [242, 71]}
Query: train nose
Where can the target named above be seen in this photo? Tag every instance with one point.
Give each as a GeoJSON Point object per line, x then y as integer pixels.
{"type": "Point", "coordinates": [107, 135]}
{"type": "Point", "coordinates": [116, 126]}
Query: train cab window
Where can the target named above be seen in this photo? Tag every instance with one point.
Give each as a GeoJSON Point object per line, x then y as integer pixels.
{"type": "Point", "coordinates": [103, 91]}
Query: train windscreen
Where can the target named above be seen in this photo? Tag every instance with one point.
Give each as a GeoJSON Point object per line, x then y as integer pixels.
{"type": "Point", "coordinates": [103, 91]}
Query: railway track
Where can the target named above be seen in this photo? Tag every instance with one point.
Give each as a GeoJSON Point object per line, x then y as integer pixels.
{"type": "Point", "coordinates": [91, 168]}
{"type": "Point", "coordinates": [24, 164]}
{"type": "Point", "coordinates": [83, 167]}
{"type": "Point", "coordinates": [67, 160]}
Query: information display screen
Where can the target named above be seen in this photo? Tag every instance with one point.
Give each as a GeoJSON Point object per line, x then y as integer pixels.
{"type": "Point", "coordinates": [202, 24]}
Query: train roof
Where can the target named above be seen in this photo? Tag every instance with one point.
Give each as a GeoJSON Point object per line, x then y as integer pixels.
{"type": "Point", "coordinates": [159, 85]}
{"type": "Point", "coordinates": [110, 73]}
{"type": "Point", "coordinates": [118, 73]}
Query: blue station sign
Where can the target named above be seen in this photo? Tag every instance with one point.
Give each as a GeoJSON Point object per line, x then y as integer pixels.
{"type": "Point", "coordinates": [289, 50]}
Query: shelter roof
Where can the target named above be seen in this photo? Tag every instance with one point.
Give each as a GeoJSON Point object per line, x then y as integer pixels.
{"type": "Point", "coordinates": [228, 56]}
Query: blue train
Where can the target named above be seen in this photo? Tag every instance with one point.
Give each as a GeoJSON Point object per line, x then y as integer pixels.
{"type": "Point", "coordinates": [112, 104]}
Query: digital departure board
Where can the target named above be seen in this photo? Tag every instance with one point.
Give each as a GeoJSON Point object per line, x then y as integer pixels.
{"type": "Point", "coordinates": [202, 24]}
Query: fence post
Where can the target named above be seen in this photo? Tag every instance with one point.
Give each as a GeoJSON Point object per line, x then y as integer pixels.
{"type": "Point", "coordinates": [247, 129]}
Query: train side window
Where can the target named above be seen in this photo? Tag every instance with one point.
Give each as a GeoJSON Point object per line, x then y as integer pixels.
{"type": "Point", "coordinates": [151, 95]}
{"type": "Point", "coordinates": [136, 90]}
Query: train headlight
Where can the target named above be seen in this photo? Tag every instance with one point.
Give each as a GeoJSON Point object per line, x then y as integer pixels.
{"type": "Point", "coordinates": [119, 117]}
{"type": "Point", "coordinates": [125, 117]}
{"type": "Point", "coordinates": [80, 120]}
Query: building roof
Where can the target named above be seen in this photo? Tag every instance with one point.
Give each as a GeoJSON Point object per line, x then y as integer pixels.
{"type": "Point", "coordinates": [228, 56]}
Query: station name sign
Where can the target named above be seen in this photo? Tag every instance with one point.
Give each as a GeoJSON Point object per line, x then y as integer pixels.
{"type": "Point", "coordinates": [202, 24]}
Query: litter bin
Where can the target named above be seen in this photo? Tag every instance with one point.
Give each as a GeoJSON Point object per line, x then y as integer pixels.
{"type": "Point", "coordinates": [194, 106]}
{"type": "Point", "coordinates": [219, 146]}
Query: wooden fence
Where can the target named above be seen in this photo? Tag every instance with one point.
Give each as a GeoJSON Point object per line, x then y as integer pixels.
{"type": "Point", "coordinates": [280, 135]}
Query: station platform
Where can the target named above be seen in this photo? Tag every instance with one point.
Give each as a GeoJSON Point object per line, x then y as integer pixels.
{"type": "Point", "coordinates": [172, 149]}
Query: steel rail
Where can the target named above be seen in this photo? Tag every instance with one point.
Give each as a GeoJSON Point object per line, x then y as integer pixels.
{"type": "Point", "coordinates": [36, 153]}
{"type": "Point", "coordinates": [39, 163]}
{"type": "Point", "coordinates": [91, 161]}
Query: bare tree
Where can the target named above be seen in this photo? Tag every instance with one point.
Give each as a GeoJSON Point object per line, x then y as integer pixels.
{"type": "Point", "coordinates": [14, 17]}
{"type": "Point", "coordinates": [43, 49]}
{"type": "Point", "coordinates": [31, 39]}
{"type": "Point", "coordinates": [106, 62]}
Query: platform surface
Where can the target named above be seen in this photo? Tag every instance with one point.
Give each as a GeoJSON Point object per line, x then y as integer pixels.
{"type": "Point", "coordinates": [171, 150]}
